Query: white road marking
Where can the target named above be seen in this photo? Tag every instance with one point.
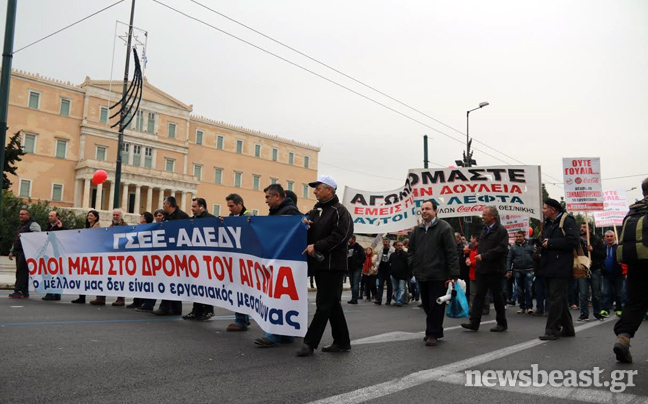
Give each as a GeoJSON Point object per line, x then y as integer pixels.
{"type": "Point", "coordinates": [448, 373]}
{"type": "Point", "coordinates": [401, 336]}
{"type": "Point", "coordinates": [16, 307]}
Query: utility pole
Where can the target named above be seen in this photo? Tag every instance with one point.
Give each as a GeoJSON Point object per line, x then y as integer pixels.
{"type": "Point", "coordinates": [425, 151]}
{"type": "Point", "coordinates": [122, 115]}
{"type": "Point", "coordinates": [5, 82]}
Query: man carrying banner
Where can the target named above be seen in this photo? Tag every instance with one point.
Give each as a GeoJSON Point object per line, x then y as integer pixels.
{"type": "Point", "coordinates": [200, 311]}
{"type": "Point", "coordinates": [172, 212]}
{"type": "Point", "coordinates": [556, 266]}
{"type": "Point", "coordinates": [279, 205]}
{"type": "Point", "coordinates": [330, 227]}
{"type": "Point", "coordinates": [633, 251]}
{"type": "Point", "coordinates": [117, 220]}
{"type": "Point", "coordinates": [432, 256]}
{"type": "Point", "coordinates": [55, 224]}
{"type": "Point", "coordinates": [491, 266]}
{"type": "Point", "coordinates": [27, 225]}
{"type": "Point", "coordinates": [237, 208]}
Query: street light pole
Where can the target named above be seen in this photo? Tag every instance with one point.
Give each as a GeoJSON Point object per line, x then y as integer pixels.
{"type": "Point", "coordinates": [468, 156]}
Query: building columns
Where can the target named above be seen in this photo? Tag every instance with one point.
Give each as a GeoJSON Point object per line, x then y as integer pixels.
{"type": "Point", "coordinates": [138, 193]}
{"type": "Point", "coordinates": [149, 199]}
{"type": "Point", "coordinates": [160, 198]}
{"type": "Point", "coordinates": [86, 193]}
{"type": "Point", "coordinates": [183, 198]}
{"type": "Point", "coordinates": [124, 204]}
{"type": "Point", "coordinates": [112, 195]}
{"type": "Point", "coordinates": [99, 197]}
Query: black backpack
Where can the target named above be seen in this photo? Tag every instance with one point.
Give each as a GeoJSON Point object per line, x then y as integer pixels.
{"type": "Point", "coordinates": [633, 240]}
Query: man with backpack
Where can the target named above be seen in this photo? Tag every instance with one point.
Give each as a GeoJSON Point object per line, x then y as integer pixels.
{"type": "Point", "coordinates": [633, 251]}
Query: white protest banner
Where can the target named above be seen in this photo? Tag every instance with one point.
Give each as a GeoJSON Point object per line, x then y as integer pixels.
{"type": "Point", "coordinates": [583, 191]}
{"type": "Point", "coordinates": [513, 224]}
{"type": "Point", "coordinates": [467, 191]}
{"type": "Point", "coordinates": [380, 212]}
{"type": "Point", "coordinates": [253, 265]}
{"type": "Point", "coordinates": [615, 205]}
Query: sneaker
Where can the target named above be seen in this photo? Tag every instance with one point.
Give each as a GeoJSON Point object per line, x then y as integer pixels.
{"type": "Point", "coordinates": [206, 317]}
{"type": "Point", "coordinates": [605, 314]}
{"type": "Point", "coordinates": [235, 327]}
{"type": "Point", "coordinates": [574, 307]}
{"type": "Point", "coordinates": [622, 349]}
{"type": "Point", "coordinates": [530, 311]}
{"type": "Point", "coordinates": [18, 295]}
{"type": "Point", "coordinates": [522, 311]}
{"type": "Point", "coordinates": [352, 301]}
{"type": "Point", "coordinates": [144, 309]}
{"type": "Point", "coordinates": [538, 313]}
{"type": "Point", "coordinates": [190, 316]}
{"type": "Point", "coordinates": [582, 318]}
{"type": "Point", "coordinates": [599, 317]}
{"type": "Point", "coordinates": [618, 313]}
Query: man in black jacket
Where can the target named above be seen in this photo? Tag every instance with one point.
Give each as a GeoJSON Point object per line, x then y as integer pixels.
{"type": "Point", "coordinates": [200, 311]}
{"type": "Point", "coordinates": [596, 250]}
{"type": "Point", "coordinates": [330, 226]}
{"type": "Point", "coordinates": [27, 225]}
{"type": "Point", "coordinates": [556, 266]}
{"type": "Point", "coordinates": [491, 266]}
{"type": "Point", "coordinates": [356, 258]}
{"type": "Point", "coordinates": [55, 224]}
{"type": "Point", "coordinates": [400, 272]}
{"type": "Point", "coordinates": [173, 212]}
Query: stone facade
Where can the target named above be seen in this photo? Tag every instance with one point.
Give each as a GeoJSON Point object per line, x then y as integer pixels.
{"type": "Point", "coordinates": [66, 130]}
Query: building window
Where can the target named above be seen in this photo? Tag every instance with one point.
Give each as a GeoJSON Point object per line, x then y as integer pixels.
{"type": "Point", "coordinates": [304, 190]}
{"type": "Point", "coordinates": [57, 192]}
{"type": "Point", "coordinates": [150, 125]}
{"type": "Point", "coordinates": [291, 185]}
{"type": "Point", "coordinates": [238, 179]}
{"type": "Point", "coordinates": [169, 166]}
{"type": "Point", "coordinates": [255, 212]}
{"type": "Point", "coordinates": [239, 146]}
{"type": "Point", "coordinates": [34, 100]}
{"type": "Point", "coordinates": [125, 152]}
{"type": "Point", "coordinates": [199, 137]}
{"type": "Point", "coordinates": [218, 176]}
{"type": "Point", "coordinates": [148, 157]}
{"type": "Point", "coordinates": [172, 130]}
{"type": "Point", "coordinates": [273, 180]}
{"type": "Point", "coordinates": [257, 150]}
{"type": "Point", "coordinates": [103, 115]}
{"type": "Point", "coordinates": [61, 148]}
{"type": "Point", "coordinates": [220, 140]}
{"type": "Point", "coordinates": [216, 210]}
{"type": "Point", "coordinates": [198, 172]}
{"type": "Point", "coordinates": [137, 155]}
{"type": "Point", "coordinates": [30, 144]}
{"type": "Point", "coordinates": [101, 153]}
{"type": "Point", "coordinates": [25, 188]}
{"type": "Point", "coordinates": [306, 161]}
{"type": "Point", "coordinates": [139, 121]}
{"type": "Point", "coordinates": [65, 107]}
{"type": "Point", "coordinates": [256, 182]}
{"type": "Point", "coordinates": [291, 158]}
{"type": "Point", "coordinates": [275, 154]}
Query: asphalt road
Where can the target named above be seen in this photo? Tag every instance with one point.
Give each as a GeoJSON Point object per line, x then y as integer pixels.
{"type": "Point", "coordinates": [57, 352]}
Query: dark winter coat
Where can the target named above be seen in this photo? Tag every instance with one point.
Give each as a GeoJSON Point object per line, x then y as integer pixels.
{"type": "Point", "coordinates": [329, 233]}
{"type": "Point", "coordinates": [355, 257]}
{"type": "Point", "coordinates": [286, 208]}
{"type": "Point", "coordinates": [520, 257]}
{"type": "Point", "coordinates": [598, 253]}
{"type": "Point", "coordinates": [557, 260]}
{"type": "Point", "coordinates": [432, 254]}
{"type": "Point", "coordinates": [399, 267]}
{"type": "Point", "coordinates": [493, 248]}
{"type": "Point", "coordinates": [177, 214]}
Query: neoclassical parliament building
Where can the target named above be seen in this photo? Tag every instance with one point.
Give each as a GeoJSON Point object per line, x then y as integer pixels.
{"type": "Point", "coordinates": [67, 135]}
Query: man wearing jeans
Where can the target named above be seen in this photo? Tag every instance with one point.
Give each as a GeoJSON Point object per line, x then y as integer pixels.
{"type": "Point", "coordinates": [597, 251]}
{"type": "Point", "coordinates": [400, 272]}
{"type": "Point", "coordinates": [612, 278]}
{"type": "Point", "coordinates": [356, 258]}
{"type": "Point", "coordinates": [520, 261]}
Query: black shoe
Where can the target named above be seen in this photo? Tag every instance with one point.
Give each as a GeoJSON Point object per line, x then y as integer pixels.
{"type": "Point", "coordinates": [144, 309]}
{"type": "Point", "coordinates": [470, 326]}
{"type": "Point", "coordinates": [548, 337]}
{"type": "Point", "coordinates": [378, 303]}
{"type": "Point", "coordinates": [134, 305]}
{"type": "Point", "coordinates": [336, 348]}
{"type": "Point", "coordinates": [79, 300]}
{"type": "Point", "coordinates": [305, 350]}
{"type": "Point", "coordinates": [48, 297]}
{"type": "Point", "coordinates": [499, 328]}
{"type": "Point", "coordinates": [538, 313]}
{"type": "Point", "coordinates": [161, 312]}
{"type": "Point", "coordinates": [567, 334]}
{"type": "Point", "coordinates": [485, 312]}
{"type": "Point", "coordinates": [190, 316]}
{"type": "Point", "coordinates": [352, 301]}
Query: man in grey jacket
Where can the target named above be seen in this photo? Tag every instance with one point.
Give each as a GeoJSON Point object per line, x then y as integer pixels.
{"type": "Point", "coordinates": [432, 255]}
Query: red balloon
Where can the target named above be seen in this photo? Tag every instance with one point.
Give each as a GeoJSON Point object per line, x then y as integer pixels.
{"type": "Point", "coordinates": [530, 231]}
{"type": "Point", "coordinates": [99, 177]}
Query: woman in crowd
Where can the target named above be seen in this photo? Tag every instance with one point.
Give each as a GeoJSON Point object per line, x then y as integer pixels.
{"type": "Point", "coordinates": [369, 274]}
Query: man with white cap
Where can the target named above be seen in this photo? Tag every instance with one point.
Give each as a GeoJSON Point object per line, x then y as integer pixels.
{"type": "Point", "coordinates": [330, 226]}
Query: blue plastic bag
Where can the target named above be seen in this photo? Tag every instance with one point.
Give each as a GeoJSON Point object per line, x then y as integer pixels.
{"type": "Point", "coordinates": [458, 305]}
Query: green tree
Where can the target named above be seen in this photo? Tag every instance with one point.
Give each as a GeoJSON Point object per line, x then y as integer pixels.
{"type": "Point", "coordinates": [9, 222]}
{"type": "Point", "coordinates": [13, 153]}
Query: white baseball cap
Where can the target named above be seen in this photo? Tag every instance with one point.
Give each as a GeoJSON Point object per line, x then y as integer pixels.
{"type": "Point", "coordinates": [324, 179]}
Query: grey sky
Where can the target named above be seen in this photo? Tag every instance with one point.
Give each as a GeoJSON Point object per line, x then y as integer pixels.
{"type": "Point", "coordinates": [564, 79]}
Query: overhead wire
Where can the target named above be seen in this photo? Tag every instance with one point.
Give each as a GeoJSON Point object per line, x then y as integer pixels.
{"type": "Point", "coordinates": [66, 27]}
